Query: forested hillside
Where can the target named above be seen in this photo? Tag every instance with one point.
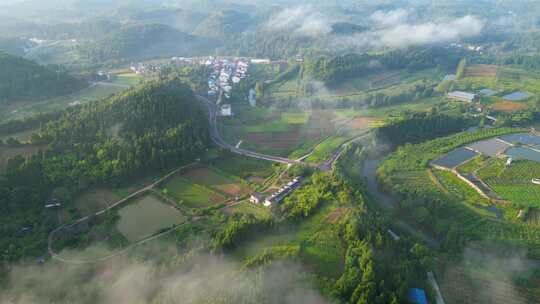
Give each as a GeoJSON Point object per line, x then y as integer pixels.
{"type": "Point", "coordinates": [134, 42]}
{"type": "Point", "coordinates": [418, 127]}
{"type": "Point", "coordinates": [223, 24]}
{"type": "Point", "coordinates": [334, 69]}
{"type": "Point", "coordinates": [87, 29]}
{"type": "Point", "coordinates": [14, 46]}
{"type": "Point", "coordinates": [24, 80]}
{"type": "Point", "coordinates": [155, 127]}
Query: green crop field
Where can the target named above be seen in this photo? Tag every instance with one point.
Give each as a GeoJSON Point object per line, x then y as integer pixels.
{"type": "Point", "coordinates": [472, 165]}
{"type": "Point", "coordinates": [472, 199]}
{"type": "Point", "coordinates": [249, 208]}
{"type": "Point", "coordinates": [193, 195]}
{"type": "Point", "coordinates": [243, 166]}
{"type": "Point", "coordinates": [92, 201]}
{"type": "Point", "coordinates": [513, 183]}
{"type": "Point", "coordinates": [129, 79]}
{"type": "Point", "coordinates": [284, 123]}
{"type": "Point", "coordinates": [271, 126]}
{"type": "Point", "coordinates": [295, 118]}
{"type": "Point", "coordinates": [217, 181]}
{"type": "Point", "coordinates": [325, 149]}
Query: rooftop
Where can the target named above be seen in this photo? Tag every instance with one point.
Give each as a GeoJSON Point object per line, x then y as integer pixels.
{"type": "Point", "coordinates": [463, 95]}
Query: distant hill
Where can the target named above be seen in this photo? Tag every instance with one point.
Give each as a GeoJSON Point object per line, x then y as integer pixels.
{"type": "Point", "coordinates": [346, 28]}
{"type": "Point", "coordinates": [136, 42]}
{"type": "Point", "coordinates": [14, 46]}
{"type": "Point", "coordinates": [224, 23]}
{"type": "Point", "coordinates": [25, 80]}
{"type": "Point", "coordinates": [88, 29]}
{"type": "Point", "coordinates": [180, 19]}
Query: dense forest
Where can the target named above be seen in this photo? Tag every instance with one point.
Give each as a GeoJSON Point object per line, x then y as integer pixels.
{"type": "Point", "coordinates": [14, 46]}
{"type": "Point", "coordinates": [418, 127]}
{"type": "Point", "coordinates": [24, 80]}
{"type": "Point", "coordinates": [333, 69]}
{"type": "Point", "coordinates": [146, 41]}
{"type": "Point", "coordinates": [224, 24]}
{"type": "Point", "coordinates": [154, 127]}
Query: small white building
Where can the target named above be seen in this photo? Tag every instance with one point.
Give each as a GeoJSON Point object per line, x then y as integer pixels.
{"type": "Point", "coordinates": [260, 61]}
{"type": "Point", "coordinates": [252, 97]}
{"type": "Point", "coordinates": [256, 198]}
{"type": "Point", "coordinates": [226, 110]}
{"type": "Point", "coordinates": [463, 96]}
{"type": "Point", "coordinates": [278, 196]}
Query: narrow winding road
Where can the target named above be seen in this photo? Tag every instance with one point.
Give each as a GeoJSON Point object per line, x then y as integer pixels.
{"type": "Point", "coordinates": [218, 140]}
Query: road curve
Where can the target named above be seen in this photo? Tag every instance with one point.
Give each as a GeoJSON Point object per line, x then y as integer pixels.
{"type": "Point", "coordinates": [218, 140]}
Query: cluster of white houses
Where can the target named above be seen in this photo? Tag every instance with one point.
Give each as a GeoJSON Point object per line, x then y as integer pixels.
{"type": "Point", "coordinates": [224, 72]}
{"type": "Point", "coordinates": [277, 197]}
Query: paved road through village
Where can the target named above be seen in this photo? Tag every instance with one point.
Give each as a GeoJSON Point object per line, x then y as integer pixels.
{"type": "Point", "coordinates": [216, 138]}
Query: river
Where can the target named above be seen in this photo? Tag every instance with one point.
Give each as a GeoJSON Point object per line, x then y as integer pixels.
{"type": "Point", "coordinates": [388, 202]}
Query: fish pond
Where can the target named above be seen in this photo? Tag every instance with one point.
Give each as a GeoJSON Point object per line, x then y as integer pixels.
{"type": "Point", "coordinates": [146, 216]}
{"type": "Point", "coordinates": [455, 158]}
{"type": "Point", "coordinates": [491, 147]}
{"type": "Point", "coordinates": [517, 96]}
{"type": "Point", "coordinates": [522, 138]}
{"type": "Point", "coordinates": [523, 153]}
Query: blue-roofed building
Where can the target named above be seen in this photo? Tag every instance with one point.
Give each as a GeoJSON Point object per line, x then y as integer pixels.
{"type": "Point", "coordinates": [417, 296]}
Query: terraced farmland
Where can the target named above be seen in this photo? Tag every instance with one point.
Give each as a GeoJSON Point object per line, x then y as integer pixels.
{"type": "Point", "coordinates": [513, 183]}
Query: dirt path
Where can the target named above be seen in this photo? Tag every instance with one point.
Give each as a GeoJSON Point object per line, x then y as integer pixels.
{"type": "Point", "coordinates": [436, 181]}
{"type": "Point", "coordinates": [51, 235]}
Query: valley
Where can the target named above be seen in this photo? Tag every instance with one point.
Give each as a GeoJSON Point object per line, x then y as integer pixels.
{"type": "Point", "coordinates": [248, 152]}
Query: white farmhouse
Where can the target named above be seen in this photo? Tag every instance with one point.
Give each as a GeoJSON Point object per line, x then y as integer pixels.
{"type": "Point", "coordinates": [226, 110]}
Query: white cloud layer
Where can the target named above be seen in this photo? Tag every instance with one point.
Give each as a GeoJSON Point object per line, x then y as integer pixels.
{"type": "Point", "coordinates": [302, 20]}
{"type": "Point", "coordinates": [405, 34]}
{"type": "Point", "coordinates": [393, 29]}
{"type": "Point", "coordinates": [390, 17]}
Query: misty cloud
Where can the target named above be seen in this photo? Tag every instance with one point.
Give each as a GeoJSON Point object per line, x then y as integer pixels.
{"type": "Point", "coordinates": [393, 34]}
{"type": "Point", "coordinates": [302, 20]}
{"type": "Point", "coordinates": [390, 17]}
{"type": "Point", "coordinates": [404, 35]}
{"type": "Point", "coordinates": [159, 278]}
{"type": "Point", "coordinates": [491, 273]}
